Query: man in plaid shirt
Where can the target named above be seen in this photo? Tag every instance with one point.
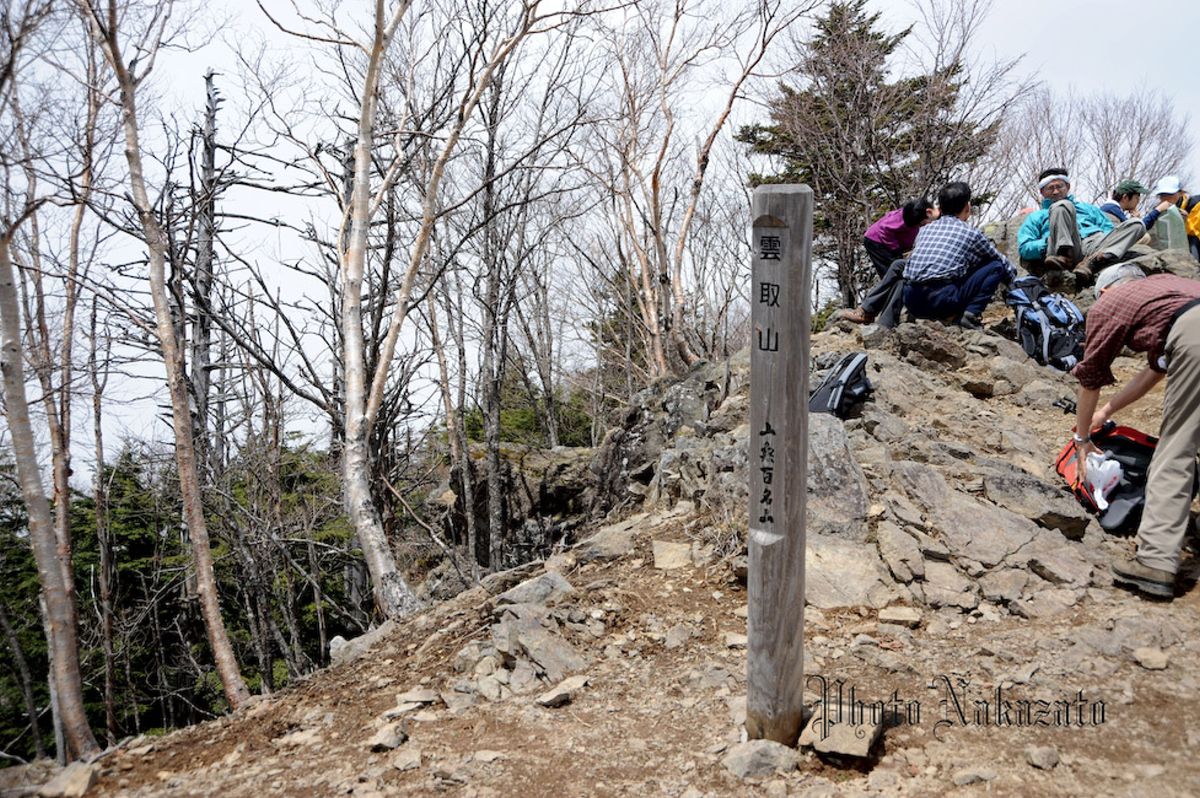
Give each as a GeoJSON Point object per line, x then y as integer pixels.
{"type": "Point", "coordinates": [954, 269]}
{"type": "Point", "coordinates": [1160, 316]}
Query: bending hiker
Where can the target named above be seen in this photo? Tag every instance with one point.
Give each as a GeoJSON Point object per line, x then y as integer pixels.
{"type": "Point", "coordinates": [1069, 235]}
{"type": "Point", "coordinates": [886, 241]}
{"type": "Point", "coordinates": [1158, 315]}
{"type": "Point", "coordinates": [954, 269]}
{"type": "Point", "coordinates": [894, 233]}
{"type": "Point", "coordinates": [1168, 220]}
{"type": "Point", "coordinates": [1125, 200]}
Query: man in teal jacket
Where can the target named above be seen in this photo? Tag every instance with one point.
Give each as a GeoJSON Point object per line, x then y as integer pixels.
{"type": "Point", "coordinates": [1066, 234]}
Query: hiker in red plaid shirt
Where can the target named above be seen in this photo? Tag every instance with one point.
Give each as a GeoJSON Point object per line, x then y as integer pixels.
{"type": "Point", "coordinates": [1160, 316]}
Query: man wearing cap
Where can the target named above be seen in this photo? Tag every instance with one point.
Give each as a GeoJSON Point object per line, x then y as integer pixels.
{"type": "Point", "coordinates": [1160, 316]}
{"type": "Point", "coordinates": [1125, 200]}
{"type": "Point", "coordinates": [1171, 229]}
{"type": "Point", "coordinates": [1066, 234]}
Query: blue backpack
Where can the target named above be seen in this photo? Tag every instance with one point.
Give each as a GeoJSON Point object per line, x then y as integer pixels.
{"type": "Point", "coordinates": [1049, 326]}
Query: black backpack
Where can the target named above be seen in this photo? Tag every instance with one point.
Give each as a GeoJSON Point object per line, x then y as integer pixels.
{"type": "Point", "coordinates": [844, 386]}
{"type": "Point", "coordinates": [1049, 326]}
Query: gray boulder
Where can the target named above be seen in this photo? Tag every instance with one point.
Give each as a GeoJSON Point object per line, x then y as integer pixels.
{"type": "Point", "coordinates": [1032, 498]}
{"type": "Point", "coordinates": [842, 574]}
{"type": "Point", "coordinates": [758, 758]}
{"type": "Point", "coordinates": [544, 589]}
{"type": "Point", "coordinates": [970, 529]}
{"type": "Point", "coordinates": [900, 551]}
{"type": "Point", "coordinates": [343, 650]}
{"type": "Point", "coordinates": [527, 632]}
{"type": "Point", "coordinates": [927, 345]}
{"type": "Point", "coordinates": [837, 489]}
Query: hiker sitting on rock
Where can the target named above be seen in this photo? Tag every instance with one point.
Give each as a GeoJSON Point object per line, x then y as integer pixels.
{"type": "Point", "coordinates": [1125, 200]}
{"type": "Point", "coordinates": [1158, 315]}
{"type": "Point", "coordinates": [886, 241]}
{"type": "Point", "coordinates": [954, 269]}
{"type": "Point", "coordinates": [1068, 235]}
{"type": "Point", "coordinates": [1166, 221]}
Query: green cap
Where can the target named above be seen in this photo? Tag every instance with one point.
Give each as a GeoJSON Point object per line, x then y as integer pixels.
{"type": "Point", "coordinates": [1131, 187]}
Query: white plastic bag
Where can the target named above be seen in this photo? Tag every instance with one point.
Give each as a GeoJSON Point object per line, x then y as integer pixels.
{"type": "Point", "coordinates": [1103, 474]}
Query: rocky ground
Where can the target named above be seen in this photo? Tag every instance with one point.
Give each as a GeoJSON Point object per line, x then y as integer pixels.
{"type": "Point", "coordinates": [950, 575]}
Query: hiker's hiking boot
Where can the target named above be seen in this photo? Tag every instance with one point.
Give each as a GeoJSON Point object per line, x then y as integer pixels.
{"type": "Point", "coordinates": [1058, 280]}
{"type": "Point", "coordinates": [970, 321]}
{"type": "Point", "coordinates": [1089, 267]}
{"type": "Point", "coordinates": [1151, 581]}
{"type": "Point", "coordinates": [1057, 263]}
{"type": "Point", "coordinates": [856, 315]}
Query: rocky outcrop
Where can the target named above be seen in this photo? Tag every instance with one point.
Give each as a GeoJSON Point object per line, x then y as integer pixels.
{"type": "Point", "coordinates": [928, 495]}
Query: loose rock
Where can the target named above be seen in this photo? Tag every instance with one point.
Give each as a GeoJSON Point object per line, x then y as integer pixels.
{"type": "Point", "coordinates": [73, 781]}
{"type": "Point", "coordinates": [669, 556]}
{"type": "Point", "coordinates": [904, 616]}
{"type": "Point", "coordinates": [487, 756]}
{"type": "Point", "coordinates": [388, 738]}
{"type": "Point", "coordinates": [1152, 659]}
{"type": "Point", "coordinates": [757, 758]}
{"type": "Point", "coordinates": [562, 693]}
{"type": "Point", "coordinates": [407, 759]}
{"type": "Point", "coordinates": [544, 589]}
{"type": "Point", "coordinates": [973, 775]}
{"type": "Point", "coordinates": [844, 739]}
{"type": "Point", "coordinates": [1043, 757]}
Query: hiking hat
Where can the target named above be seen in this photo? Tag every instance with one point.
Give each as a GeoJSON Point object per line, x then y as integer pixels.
{"type": "Point", "coordinates": [1131, 187]}
{"type": "Point", "coordinates": [1168, 185]}
{"type": "Point", "coordinates": [1116, 274]}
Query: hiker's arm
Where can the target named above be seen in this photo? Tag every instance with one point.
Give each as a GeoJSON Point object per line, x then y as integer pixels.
{"type": "Point", "coordinates": [1135, 389]}
{"type": "Point", "coordinates": [1150, 218]}
{"type": "Point", "coordinates": [1085, 408]}
{"type": "Point", "coordinates": [1031, 239]}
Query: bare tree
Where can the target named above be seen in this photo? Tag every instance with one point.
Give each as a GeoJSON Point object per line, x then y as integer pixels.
{"type": "Point", "coordinates": [99, 357]}
{"type": "Point", "coordinates": [486, 37]}
{"type": "Point", "coordinates": [105, 26]}
{"type": "Point", "coordinates": [655, 177]}
{"type": "Point", "coordinates": [1100, 138]}
{"type": "Point", "coordinates": [51, 552]}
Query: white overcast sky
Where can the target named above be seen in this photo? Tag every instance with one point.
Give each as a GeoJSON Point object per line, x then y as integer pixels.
{"type": "Point", "coordinates": [1094, 45]}
{"type": "Point", "coordinates": [1084, 46]}
{"type": "Point", "coordinates": [1103, 44]}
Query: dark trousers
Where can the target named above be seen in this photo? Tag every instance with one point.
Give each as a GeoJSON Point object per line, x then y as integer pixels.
{"type": "Point", "coordinates": [881, 257]}
{"type": "Point", "coordinates": [885, 299]}
{"type": "Point", "coordinates": [969, 294]}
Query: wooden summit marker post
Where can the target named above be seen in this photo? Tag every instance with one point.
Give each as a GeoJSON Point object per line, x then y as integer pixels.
{"type": "Point", "coordinates": [780, 297]}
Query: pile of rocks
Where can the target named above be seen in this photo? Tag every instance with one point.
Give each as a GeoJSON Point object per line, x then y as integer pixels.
{"type": "Point", "coordinates": [927, 496]}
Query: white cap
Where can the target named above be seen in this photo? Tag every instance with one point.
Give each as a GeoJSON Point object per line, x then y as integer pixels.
{"type": "Point", "coordinates": [1168, 185]}
{"type": "Point", "coordinates": [1117, 273]}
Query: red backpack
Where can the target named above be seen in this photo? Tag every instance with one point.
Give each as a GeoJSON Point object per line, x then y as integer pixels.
{"type": "Point", "coordinates": [1132, 449]}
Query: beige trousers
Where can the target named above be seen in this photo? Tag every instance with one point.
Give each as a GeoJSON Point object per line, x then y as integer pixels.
{"type": "Point", "coordinates": [1064, 232]}
{"type": "Point", "coordinates": [1173, 468]}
